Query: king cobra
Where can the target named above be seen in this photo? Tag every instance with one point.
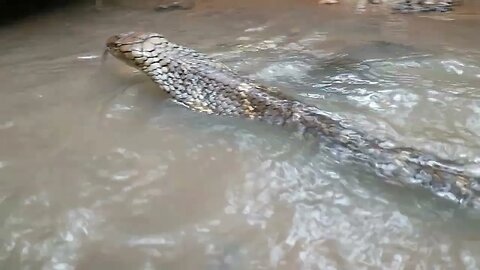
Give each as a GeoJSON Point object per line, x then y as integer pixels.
{"type": "Point", "coordinates": [205, 85]}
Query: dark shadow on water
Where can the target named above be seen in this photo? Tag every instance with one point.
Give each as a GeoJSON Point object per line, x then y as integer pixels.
{"type": "Point", "coordinates": [12, 11]}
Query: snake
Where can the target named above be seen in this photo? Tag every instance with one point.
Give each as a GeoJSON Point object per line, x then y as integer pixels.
{"type": "Point", "coordinates": [203, 84]}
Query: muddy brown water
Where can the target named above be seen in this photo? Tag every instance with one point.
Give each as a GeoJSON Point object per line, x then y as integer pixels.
{"type": "Point", "coordinates": [98, 170]}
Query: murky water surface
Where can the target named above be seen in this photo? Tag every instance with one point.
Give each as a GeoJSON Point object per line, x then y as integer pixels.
{"type": "Point", "coordinates": [98, 170]}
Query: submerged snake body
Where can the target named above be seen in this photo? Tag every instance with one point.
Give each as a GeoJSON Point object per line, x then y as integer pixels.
{"type": "Point", "coordinates": [204, 85]}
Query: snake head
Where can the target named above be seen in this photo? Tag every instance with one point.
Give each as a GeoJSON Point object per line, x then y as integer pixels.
{"type": "Point", "coordinates": [134, 48]}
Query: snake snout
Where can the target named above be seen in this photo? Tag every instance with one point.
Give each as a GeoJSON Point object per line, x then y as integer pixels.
{"type": "Point", "coordinates": [117, 40]}
{"type": "Point", "coordinates": [112, 41]}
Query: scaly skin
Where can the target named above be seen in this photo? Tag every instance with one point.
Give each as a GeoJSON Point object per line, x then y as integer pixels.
{"type": "Point", "coordinates": [204, 85]}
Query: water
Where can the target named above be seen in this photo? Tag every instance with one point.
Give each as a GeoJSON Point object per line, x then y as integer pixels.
{"type": "Point", "coordinates": [99, 170]}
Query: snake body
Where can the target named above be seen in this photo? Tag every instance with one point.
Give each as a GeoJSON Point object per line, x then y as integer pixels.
{"type": "Point", "coordinates": [202, 84]}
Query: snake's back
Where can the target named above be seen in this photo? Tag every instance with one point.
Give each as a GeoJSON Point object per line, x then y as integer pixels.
{"type": "Point", "coordinates": [202, 84]}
